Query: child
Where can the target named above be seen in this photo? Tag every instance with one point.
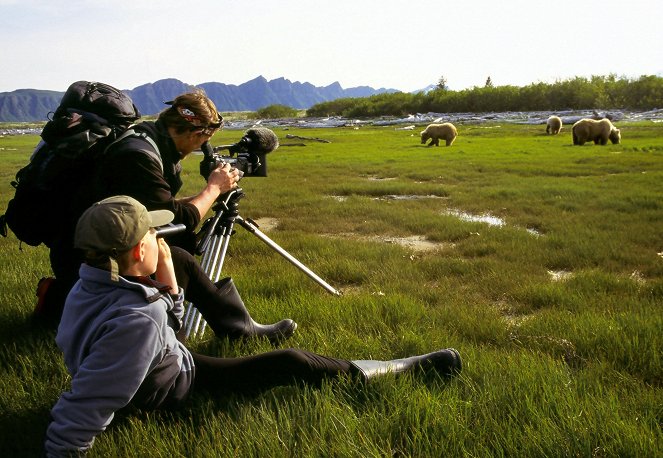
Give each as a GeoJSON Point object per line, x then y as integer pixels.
{"type": "Point", "coordinates": [118, 334]}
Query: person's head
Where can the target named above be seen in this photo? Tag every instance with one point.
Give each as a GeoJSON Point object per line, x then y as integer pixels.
{"type": "Point", "coordinates": [118, 234]}
{"type": "Point", "coordinates": [191, 120]}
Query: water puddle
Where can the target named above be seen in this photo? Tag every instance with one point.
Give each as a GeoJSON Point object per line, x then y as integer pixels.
{"type": "Point", "coordinates": [487, 218]}
{"type": "Point", "coordinates": [484, 218]}
{"type": "Point", "coordinates": [407, 197]}
{"type": "Point", "coordinates": [374, 178]}
{"type": "Point", "coordinates": [393, 196]}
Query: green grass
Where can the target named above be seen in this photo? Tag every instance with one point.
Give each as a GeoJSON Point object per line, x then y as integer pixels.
{"type": "Point", "coordinates": [568, 367]}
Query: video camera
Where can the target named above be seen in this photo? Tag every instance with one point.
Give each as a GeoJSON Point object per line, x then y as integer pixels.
{"type": "Point", "coordinates": [247, 155]}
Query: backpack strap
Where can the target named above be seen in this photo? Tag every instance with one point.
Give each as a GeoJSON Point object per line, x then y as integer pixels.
{"type": "Point", "coordinates": [156, 154]}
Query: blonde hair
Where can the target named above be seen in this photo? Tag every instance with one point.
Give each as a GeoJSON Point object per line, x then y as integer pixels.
{"type": "Point", "coordinates": [197, 102]}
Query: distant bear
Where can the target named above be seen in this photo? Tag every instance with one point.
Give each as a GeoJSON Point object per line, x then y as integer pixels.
{"type": "Point", "coordinates": [598, 131]}
{"type": "Point", "coordinates": [554, 125]}
{"type": "Point", "coordinates": [435, 132]}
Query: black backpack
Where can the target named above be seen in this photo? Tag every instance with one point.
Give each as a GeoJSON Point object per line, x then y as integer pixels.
{"type": "Point", "coordinates": [89, 118]}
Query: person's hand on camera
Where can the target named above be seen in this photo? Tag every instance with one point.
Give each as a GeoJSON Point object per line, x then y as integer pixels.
{"type": "Point", "coordinates": [220, 181]}
{"type": "Point", "coordinates": [224, 178]}
{"type": "Point", "coordinates": [165, 269]}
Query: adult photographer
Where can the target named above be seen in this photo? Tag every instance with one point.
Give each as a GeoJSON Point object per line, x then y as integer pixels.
{"type": "Point", "coordinates": [117, 336]}
{"type": "Point", "coordinates": [147, 166]}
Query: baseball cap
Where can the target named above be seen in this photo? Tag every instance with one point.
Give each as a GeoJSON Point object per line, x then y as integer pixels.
{"type": "Point", "coordinates": [115, 225]}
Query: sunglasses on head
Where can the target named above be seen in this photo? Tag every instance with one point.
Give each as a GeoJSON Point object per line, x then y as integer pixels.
{"type": "Point", "coordinates": [209, 130]}
{"type": "Point", "coordinates": [197, 121]}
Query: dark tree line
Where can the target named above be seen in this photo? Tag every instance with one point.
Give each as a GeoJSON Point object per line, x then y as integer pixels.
{"type": "Point", "coordinates": [579, 93]}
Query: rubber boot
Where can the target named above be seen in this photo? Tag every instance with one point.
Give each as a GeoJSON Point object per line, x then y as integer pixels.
{"type": "Point", "coordinates": [445, 362]}
{"type": "Point", "coordinates": [234, 321]}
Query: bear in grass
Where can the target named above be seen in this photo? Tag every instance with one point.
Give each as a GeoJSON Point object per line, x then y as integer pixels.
{"type": "Point", "coordinates": [599, 132]}
{"type": "Point", "coordinates": [435, 132]}
{"type": "Point", "coordinates": [554, 125]}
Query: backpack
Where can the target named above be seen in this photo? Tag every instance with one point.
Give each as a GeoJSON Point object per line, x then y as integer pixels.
{"type": "Point", "coordinates": [90, 117]}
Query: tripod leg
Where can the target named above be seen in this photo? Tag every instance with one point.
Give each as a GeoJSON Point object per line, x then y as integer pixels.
{"type": "Point", "coordinates": [193, 316]}
{"type": "Point", "coordinates": [212, 268]}
{"type": "Point", "coordinates": [253, 229]}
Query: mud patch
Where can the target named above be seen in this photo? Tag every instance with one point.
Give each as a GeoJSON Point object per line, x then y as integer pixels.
{"type": "Point", "coordinates": [266, 224]}
{"type": "Point", "coordinates": [516, 320]}
{"type": "Point", "coordinates": [533, 231]}
{"type": "Point", "coordinates": [637, 277]}
{"type": "Point", "coordinates": [551, 343]}
{"type": "Point", "coordinates": [560, 275]}
{"type": "Point", "coordinates": [416, 243]}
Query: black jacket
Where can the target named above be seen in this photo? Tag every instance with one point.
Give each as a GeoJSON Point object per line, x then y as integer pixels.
{"type": "Point", "coordinates": [126, 170]}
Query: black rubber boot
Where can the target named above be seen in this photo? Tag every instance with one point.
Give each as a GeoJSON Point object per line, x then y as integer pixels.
{"type": "Point", "coordinates": [234, 321]}
{"type": "Point", "coordinates": [446, 362]}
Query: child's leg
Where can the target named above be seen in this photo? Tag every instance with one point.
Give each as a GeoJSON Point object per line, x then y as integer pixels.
{"type": "Point", "coordinates": [251, 374]}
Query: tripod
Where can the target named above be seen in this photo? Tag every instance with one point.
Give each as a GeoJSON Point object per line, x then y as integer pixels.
{"type": "Point", "coordinates": [214, 238]}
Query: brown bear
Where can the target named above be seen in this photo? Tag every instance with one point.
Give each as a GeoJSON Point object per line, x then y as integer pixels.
{"type": "Point", "coordinates": [598, 131]}
{"type": "Point", "coordinates": [435, 132]}
{"type": "Point", "coordinates": [554, 125]}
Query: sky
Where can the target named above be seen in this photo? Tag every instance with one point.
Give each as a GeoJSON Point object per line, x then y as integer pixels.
{"type": "Point", "coordinates": [396, 44]}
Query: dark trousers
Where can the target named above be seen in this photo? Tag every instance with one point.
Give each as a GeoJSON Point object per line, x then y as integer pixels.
{"type": "Point", "coordinates": [252, 374]}
{"type": "Point", "coordinates": [191, 277]}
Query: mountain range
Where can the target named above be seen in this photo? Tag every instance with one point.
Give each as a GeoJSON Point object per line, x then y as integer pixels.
{"type": "Point", "coordinates": [34, 105]}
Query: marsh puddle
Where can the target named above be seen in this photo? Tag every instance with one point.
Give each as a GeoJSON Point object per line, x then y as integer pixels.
{"type": "Point", "coordinates": [374, 178]}
{"type": "Point", "coordinates": [484, 218]}
{"type": "Point", "coordinates": [392, 197]}
{"type": "Point", "coordinates": [407, 197]}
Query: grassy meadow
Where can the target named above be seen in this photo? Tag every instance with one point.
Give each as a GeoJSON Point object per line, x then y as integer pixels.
{"type": "Point", "coordinates": [541, 262]}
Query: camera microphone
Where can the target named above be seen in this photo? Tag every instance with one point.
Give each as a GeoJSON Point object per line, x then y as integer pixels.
{"type": "Point", "coordinates": [258, 140]}
{"type": "Point", "coordinates": [247, 155]}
